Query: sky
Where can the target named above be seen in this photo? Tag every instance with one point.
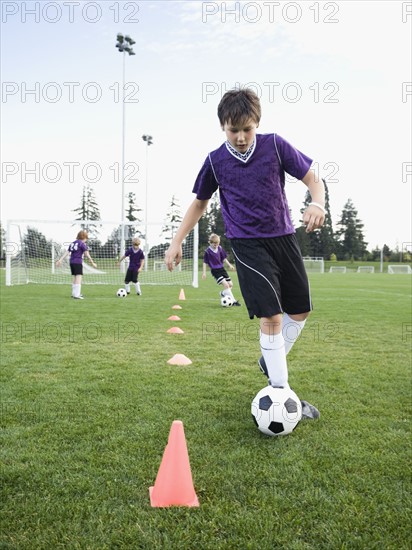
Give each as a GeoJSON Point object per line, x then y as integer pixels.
{"type": "Point", "coordinates": [334, 79]}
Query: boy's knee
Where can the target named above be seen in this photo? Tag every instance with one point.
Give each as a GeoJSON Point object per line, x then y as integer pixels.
{"type": "Point", "coordinates": [299, 316]}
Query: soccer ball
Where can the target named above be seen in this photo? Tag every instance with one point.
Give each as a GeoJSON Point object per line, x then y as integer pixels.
{"type": "Point", "coordinates": [276, 411]}
{"type": "Point", "coordinates": [226, 301]}
{"type": "Point", "coordinates": [121, 293]}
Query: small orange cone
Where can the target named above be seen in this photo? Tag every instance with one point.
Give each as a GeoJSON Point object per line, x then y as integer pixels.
{"type": "Point", "coordinates": [174, 484]}
{"type": "Point", "coordinates": [174, 318]}
{"type": "Point", "coordinates": [177, 307]}
{"type": "Point", "coordinates": [182, 295]}
{"type": "Point", "coordinates": [175, 330]}
{"type": "Point", "coordinates": [179, 359]}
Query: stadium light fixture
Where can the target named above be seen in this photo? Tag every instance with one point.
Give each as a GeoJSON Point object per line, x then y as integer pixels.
{"type": "Point", "coordinates": [124, 45]}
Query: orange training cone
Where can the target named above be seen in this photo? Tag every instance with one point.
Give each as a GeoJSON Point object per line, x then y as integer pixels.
{"type": "Point", "coordinates": [174, 318]}
{"type": "Point", "coordinates": [177, 307]}
{"type": "Point", "coordinates": [174, 484]}
{"type": "Point", "coordinates": [179, 359]}
{"type": "Point", "coordinates": [175, 330]}
{"type": "Point", "coordinates": [182, 295]}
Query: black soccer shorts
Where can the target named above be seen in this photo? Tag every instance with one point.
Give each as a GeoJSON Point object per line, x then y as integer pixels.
{"type": "Point", "coordinates": [76, 269]}
{"type": "Point", "coordinates": [131, 275]}
{"type": "Point", "coordinates": [272, 277]}
{"type": "Point", "coordinates": [220, 274]}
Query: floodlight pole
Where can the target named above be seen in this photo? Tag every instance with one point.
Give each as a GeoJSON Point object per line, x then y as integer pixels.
{"type": "Point", "coordinates": [124, 44]}
{"type": "Point", "coordinates": [148, 139]}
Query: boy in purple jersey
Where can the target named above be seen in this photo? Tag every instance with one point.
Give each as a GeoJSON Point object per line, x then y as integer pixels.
{"type": "Point", "coordinates": [136, 263]}
{"type": "Point", "coordinates": [249, 171]}
{"type": "Point", "coordinates": [214, 257]}
{"type": "Point", "coordinates": [77, 249]}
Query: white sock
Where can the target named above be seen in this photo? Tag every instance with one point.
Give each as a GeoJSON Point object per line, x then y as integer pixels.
{"type": "Point", "coordinates": [228, 292]}
{"type": "Point", "coordinates": [76, 290]}
{"type": "Point", "coordinates": [291, 330]}
{"type": "Point", "coordinates": [138, 291]}
{"type": "Point", "coordinates": [273, 351]}
{"type": "Point", "coordinates": [127, 287]}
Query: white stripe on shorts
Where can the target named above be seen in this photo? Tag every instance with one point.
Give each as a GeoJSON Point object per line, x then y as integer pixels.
{"type": "Point", "coordinates": [261, 274]}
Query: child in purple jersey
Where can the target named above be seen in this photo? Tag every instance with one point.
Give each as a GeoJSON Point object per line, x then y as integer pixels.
{"type": "Point", "coordinates": [136, 263]}
{"type": "Point", "coordinates": [249, 171]}
{"type": "Point", "coordinates": [77, 249]}
{"type": "Point", "coordinates": [215, 257]}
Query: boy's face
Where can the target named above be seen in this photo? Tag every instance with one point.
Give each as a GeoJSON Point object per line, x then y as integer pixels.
{"type": "Point", "coordinates": [214, 243]}
{"type": "Point", "coordinates": [241, 136]}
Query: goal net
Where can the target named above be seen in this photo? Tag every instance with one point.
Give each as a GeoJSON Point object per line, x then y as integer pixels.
{"type": "Point", "coordinates": [395, 269]}
{"type": "Point", "coordinates": [314, 265]}
{"type": "Point", "coordinates": [337, 269]}
{"type": "Point", "coordinates": [33, 247]}
{"type": "Point", "coordinates": [365, 269]}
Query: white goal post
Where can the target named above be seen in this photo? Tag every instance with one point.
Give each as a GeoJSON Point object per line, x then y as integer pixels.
{"type": "Point", "coordinates": [337, 269]}
{"type": "Point", "coordinates": [314, 265]}
{"type": "Point", "coordinates": [401, 269]}
{"type": "Point", "coordinates": [34, 246]}
{"type": "Point", "coordinates": [365, 269]}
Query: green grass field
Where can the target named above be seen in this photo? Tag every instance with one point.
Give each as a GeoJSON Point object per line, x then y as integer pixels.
{"type": "Point", "coordinates": [88, 400]}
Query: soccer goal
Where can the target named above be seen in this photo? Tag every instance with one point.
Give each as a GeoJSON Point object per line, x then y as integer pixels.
{"type": "Point", "coordinates": [365, 269]}
{"type": "Point", "coordinates": [395, 269]}
{"type": "Point", "coordinates": [337, 269]}
{"type": "Point", "coordinates": [33, 247]}
{"type": "Point", "coordinates": [314, 265]}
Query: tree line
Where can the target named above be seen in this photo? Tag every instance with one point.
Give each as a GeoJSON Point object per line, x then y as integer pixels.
{"type": "Point", "coordinates": [346, 242]}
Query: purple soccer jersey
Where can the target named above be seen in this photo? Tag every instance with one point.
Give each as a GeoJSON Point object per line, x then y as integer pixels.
{"type": "Point", "coordinates": [77, 248]}
{"type": "Point", "coordinates": [252, 191]}
{"type": "Point", "coordinates": [135, 257]}
{"type": "Point", "coordinates": [214, 259]}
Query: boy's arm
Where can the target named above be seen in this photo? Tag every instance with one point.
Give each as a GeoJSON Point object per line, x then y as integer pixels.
{"type": "Point", "coordinates": [204, 271]}
{"type": "Point", "coordinates": [141, 266]}
{"type": "Point", "coordinates": [62, 258]}
{"type": "Point", "coordinates": [314, 215]}
{"type": "Point", "coordinates": [229, 264]}
{"type": "Point", "coordinates": [192, 216]}
{"type": "Point", "coordinates": [87, 254]}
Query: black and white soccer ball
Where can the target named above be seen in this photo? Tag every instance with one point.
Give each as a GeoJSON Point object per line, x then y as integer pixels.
{"type": "Point", "coordinates": [226, 301]}
{"type": "Point", "coordinates": [121, 293]}
{"type": "Point", "coordinates": [276, 411]}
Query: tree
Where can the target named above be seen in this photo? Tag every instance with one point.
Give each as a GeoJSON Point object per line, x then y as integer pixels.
{"type": "Point", "coordinates": [320, 243]}
{"type": "Point", "coordinates": [2, 242]}
{"type": "Point", "coordinates": [35, 245]}
{"type": "Point", "coordinates": [173, 219]}
{"type": "Point", "coordinates": [88, 210]}
{"type": "Point", "coordinates": [350, 235]}
{"type": "Point", "coordinates": [132, 208]}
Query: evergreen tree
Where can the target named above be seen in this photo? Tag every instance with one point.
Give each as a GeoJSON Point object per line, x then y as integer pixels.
{"type": "Point", "coordinates": [216, 223]}
{"type": "Point", "coordinates": [350, 235]}
{"type": "Point", "coordinates": [35, 245]}
{"type": "Point", "coordinates": [320, 243]}
{"type": "Point", "coordinates": [88, 210]}
{"type": "Point", "coordinates": [132, 209]}
{"type": "Point", "coordinates": [173, 219]}
{"type": "Point", "coordinates": [2, 242]}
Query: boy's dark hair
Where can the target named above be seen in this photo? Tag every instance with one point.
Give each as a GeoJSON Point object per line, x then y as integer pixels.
{"type": "Point", "coordinates": [236, 106]}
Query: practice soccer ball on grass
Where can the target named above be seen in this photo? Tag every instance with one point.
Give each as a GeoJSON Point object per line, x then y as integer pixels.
{"type": "Point", "coordinates": [226, 301]}
{"type": "Point", "coordinates": [121, 293]}
{"type": "Point", "coordinates": [276, 411]}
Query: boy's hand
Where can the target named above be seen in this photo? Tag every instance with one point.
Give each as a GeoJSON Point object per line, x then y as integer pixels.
{"type": "Point", "coordinates": [173, 256]}
{"type": "Point", "coordinates": [203, 275]}
{"type": "Point", "coordinates": [313, 218]}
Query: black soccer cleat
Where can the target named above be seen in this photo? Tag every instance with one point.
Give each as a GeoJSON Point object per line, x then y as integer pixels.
{"type": "Point", "coordinates": [236, 303]}
{"type": "Point", "coordinates": [309, 412]}
{"type": "Point", "coordinates": [262, 366]}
